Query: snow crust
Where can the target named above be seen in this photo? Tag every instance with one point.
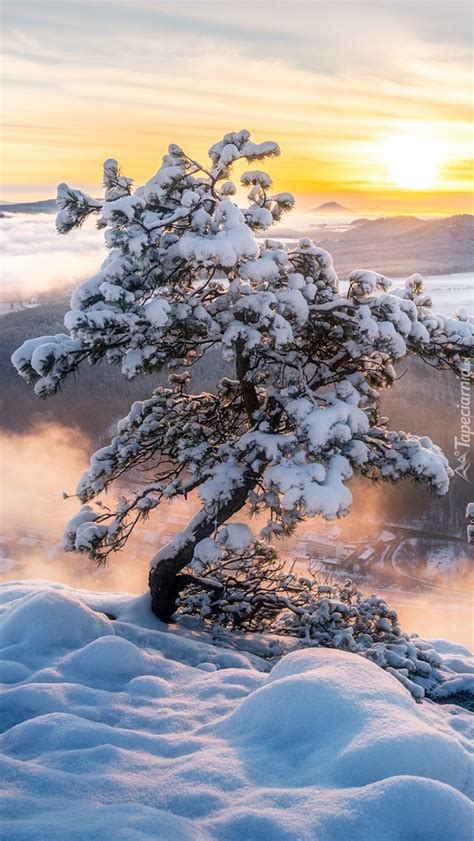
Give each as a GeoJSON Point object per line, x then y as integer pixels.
{"type": "Point", "coordinates": [130, 729]}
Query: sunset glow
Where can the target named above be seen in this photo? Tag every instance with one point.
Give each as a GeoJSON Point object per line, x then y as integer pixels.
{"type": "Point", "coordinates": [299, 73]}
{"type": "Point", "coordinates": [413, 162]}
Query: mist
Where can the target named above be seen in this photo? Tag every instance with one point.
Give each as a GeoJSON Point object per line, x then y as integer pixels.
{"type": "Point", "coordinates": [36, 259]}
{"type": "Point", "coordinates": [46, 446]}
{"type": "Point", "coordinates": [36, 468]}
{"type": "Point", "coordinates": [41, 464]}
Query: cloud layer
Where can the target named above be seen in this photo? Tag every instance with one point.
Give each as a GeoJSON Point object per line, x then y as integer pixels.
{"type": "Point", "coordinates": [37, 259]}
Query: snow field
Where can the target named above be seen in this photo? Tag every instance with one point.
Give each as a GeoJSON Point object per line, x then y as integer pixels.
{"type": "Point", "coordinates": [130, 730]}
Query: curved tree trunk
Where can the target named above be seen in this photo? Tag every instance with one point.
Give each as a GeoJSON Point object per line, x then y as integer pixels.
{"type": "Point", "coordinates": [165, 580]}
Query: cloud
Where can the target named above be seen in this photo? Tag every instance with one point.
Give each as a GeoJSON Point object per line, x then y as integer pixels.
{"type": "Point", "coordinates": [326, 80]}
{"type": "Point", "coordinates": [332, 35]}
{"type": "Point", "coordinates": [37, 259]}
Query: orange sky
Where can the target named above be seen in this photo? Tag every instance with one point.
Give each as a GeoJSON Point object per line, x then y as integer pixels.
{"type": "Point", "coordinates": [361, 96]}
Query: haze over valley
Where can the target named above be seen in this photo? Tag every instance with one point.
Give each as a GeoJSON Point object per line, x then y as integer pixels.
{"type": "Point", "coordinates": [37, 260]}
{"type": "Point", "coordinates": [41, 267]}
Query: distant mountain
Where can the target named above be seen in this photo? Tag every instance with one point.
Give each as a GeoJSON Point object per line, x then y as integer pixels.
{"type": "Point", "coordinates": [330, 206]}
{"type": "Point", "coordinates": [375, 229]}
{"type": "Point", "coordinates": [46, 206]}
{"type": "Point", "coordinates": [356, 222]}
{"type": "Point", "coordinates": [402, 245]}
{"type": "Point", "coordinates": [396, 245]}
{"type": "Point", "coordinates": [411, 230]}
{"type": "Point", "coordinates": [446, 232]}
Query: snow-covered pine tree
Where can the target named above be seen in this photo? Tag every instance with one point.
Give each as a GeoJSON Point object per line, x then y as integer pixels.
{"type": "Point", "coordinates": [300, 416]}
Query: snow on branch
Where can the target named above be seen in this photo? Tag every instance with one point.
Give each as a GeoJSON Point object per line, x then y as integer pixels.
{"type": "Point", "coordinates": [249, 590]}
{"type": "Point", "coordinates": [186, 273]}
{"type": "Point", "coordinates": [74, 208]}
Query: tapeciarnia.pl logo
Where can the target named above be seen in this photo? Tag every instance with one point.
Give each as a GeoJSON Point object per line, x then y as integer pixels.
{"type": "Point", "coordinates": [462, 444]}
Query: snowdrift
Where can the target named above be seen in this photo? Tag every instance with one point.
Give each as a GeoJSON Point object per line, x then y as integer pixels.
{"type": "Point", "coordinates": [130, 730]}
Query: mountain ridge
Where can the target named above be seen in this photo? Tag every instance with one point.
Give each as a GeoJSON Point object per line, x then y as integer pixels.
{"type": "Point", "coordinates": [43, 206]}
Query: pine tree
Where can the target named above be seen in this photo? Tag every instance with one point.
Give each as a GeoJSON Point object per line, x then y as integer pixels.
{"type": "Point", "coordinates": [187, 273]}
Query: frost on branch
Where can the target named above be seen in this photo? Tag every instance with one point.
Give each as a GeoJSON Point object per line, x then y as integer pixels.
{"type": "Point", "coordinates": [300, 414]}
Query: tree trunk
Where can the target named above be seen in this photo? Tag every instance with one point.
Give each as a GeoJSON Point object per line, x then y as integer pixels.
{"type": "Point", "coordinates": [165, 581]}
{"type": "Point", "coordinates": [249, 394]}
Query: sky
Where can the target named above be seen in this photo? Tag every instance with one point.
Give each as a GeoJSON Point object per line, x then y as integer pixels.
{"type": "Point", "coordinates": [370, 101]}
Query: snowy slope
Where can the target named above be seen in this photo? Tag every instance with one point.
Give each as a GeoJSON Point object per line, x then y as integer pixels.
{"type": "Point", "coordinates": [126, 730]}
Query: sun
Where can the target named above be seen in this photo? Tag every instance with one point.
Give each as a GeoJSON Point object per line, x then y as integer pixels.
{"type": "Point", "coordinates": [412, 161]}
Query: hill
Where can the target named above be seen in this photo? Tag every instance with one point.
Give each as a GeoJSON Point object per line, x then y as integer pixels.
{"type": "Point", "coordinates": [401, 245]}
{"type": "Point", "coordinates": [370, 230]}
{"type": "Point", "coordinates": [76, 403]}
{"type": "Point", "coordinates": [396, 245]}
{"type": "Point", "coordinates": [331, 207]}
{"type": "Point", "coordinates": [46, 206]}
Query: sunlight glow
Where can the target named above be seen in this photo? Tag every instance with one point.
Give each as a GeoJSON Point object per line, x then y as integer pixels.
{"type": "Point", "coordinates": [412, 161]}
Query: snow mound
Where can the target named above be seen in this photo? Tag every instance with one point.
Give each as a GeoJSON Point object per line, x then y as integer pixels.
{"type": "Point", "coordinates": [331, 716]}
{"type": "Point", "coordinates": [49, 621]}
{"type": "Point", "coordinates": [132, 731]}
{"type": "Point", "coordinates": [108, 660]}
{"type": "Point", "coordinates": [115, 822]}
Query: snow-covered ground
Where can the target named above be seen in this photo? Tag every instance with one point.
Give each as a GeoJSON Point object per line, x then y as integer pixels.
{"type": "Point", "coordinates": [126, 730]}
{"type": "Point", "coordinates": [448, 292]}
{"type": "Point", "coordinates": [451, 291]}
